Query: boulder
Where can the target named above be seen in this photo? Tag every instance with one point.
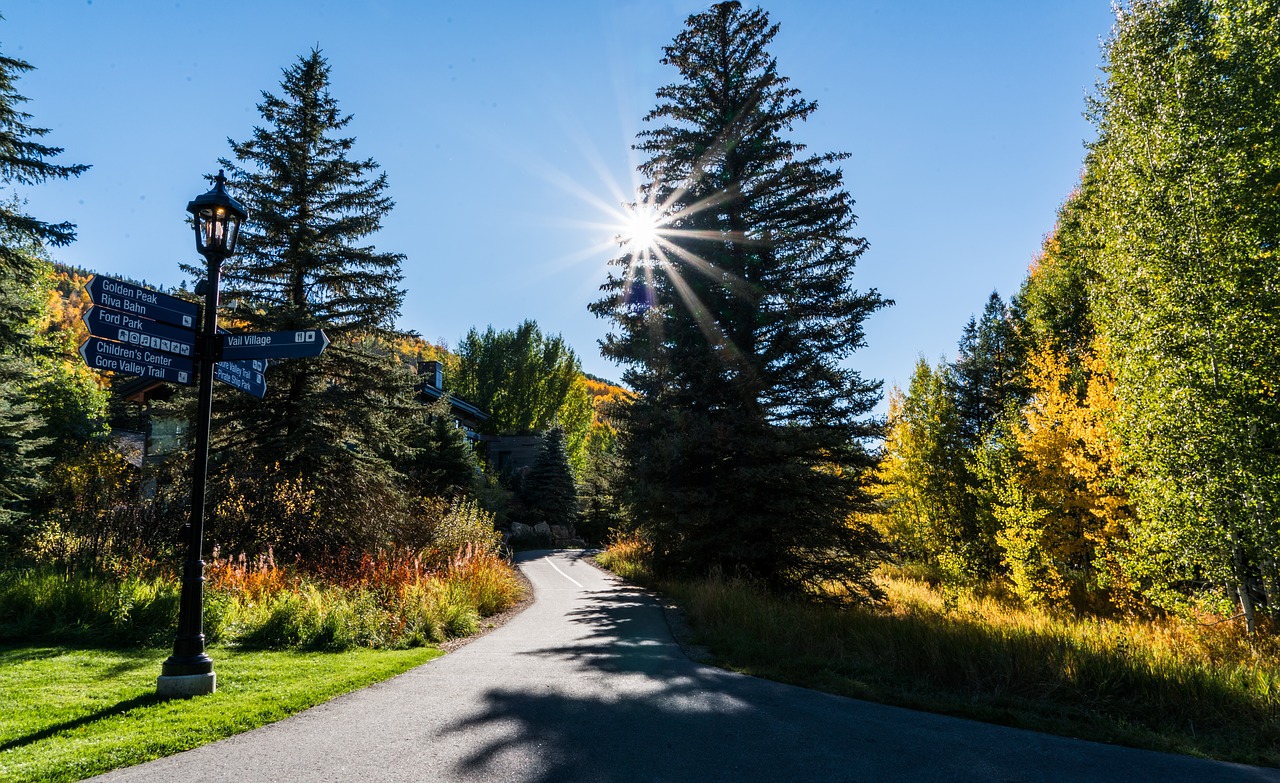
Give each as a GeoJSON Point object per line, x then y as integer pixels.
{"type": "Point", "coordinates": [522, 532]}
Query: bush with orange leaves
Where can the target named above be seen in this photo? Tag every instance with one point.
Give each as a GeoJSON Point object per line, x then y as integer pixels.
{"type": "Point", "coordinates": [393, 597]}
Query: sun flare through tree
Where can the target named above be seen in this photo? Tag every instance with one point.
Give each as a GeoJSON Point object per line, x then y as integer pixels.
{"type": "Point", "coordinates": [748, 443]}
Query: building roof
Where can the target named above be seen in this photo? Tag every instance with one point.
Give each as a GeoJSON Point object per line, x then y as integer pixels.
{"type": "Point", "coordinates": [460, 406]}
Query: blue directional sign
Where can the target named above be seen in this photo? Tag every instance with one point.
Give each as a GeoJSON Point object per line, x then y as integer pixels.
{"type": "Point", "coordinates": [274, 345]}
{"type": "Point", "coordinates": [244, 375]}
{"type": "Point", "coordinates": [139, 332]}
{"type": "Point", "coordinates": [139, 301]}
{"type": "Point", "coordinates": [131, 360]}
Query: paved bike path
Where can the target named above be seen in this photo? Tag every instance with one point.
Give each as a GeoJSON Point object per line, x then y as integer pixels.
{"type": "Point", "coordinates": [588, 685]}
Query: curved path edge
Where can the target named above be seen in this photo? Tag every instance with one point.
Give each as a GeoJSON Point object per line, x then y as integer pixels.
{"type": "Point", "coordinates": [588, 684]}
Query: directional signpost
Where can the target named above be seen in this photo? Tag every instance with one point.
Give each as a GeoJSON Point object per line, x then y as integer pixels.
{"type": "Point", "coordinates": [136, 300]}
{"type": "Point", "coordinates": [137, 331]}
{"type": "Point", "coordinates": [118, 357]}
{"type": "Point", "coordinates": [243, 376]}
{"type": "Point", "coordinates": [275, 345]}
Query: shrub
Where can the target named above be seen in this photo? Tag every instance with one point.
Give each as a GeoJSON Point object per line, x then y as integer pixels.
{"type": "Point", "coordinates": [50, 605]}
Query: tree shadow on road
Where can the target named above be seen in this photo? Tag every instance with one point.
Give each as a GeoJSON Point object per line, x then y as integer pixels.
{"type": "Point", "coordinates": [621, 702]}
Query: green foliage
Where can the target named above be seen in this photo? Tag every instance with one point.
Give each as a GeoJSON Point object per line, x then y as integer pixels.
{"type": "Point", "coordinates": [547, 493]}
{"type": "Point", "coordinates": [438, 460]}
{"type": "Point", "coordinates": [388, 600]}
{"type": "Point", "coordinates": [526, 382]}
{"type": "Point", "coordinates": [458, 528]}
{"type": "Point", "coordinates": [986, 377]}
{"type": "Point", "coordinates": [24, 271]}
{"type": "Point", "coordinates": [260, 508]}
{"type": "Point", "coordinates": [92, 513]}
{"type": "Point", "coordinates": [21, 443]}
{"type": "Point", "coordinates": [1054, 300]}
{"type": "Point", "coordinates": [928, 485]}
{"type": "Point", "coordinates": [303, 263]}
{"type": "Point", "coordinates": [746, 447]}
{"type": "Point", "coordinates": [1180, 190]}
{"type": "Point", "coordinates": [600, 486]}
{"type": "Point", "coordinates": [26, 162]}
{"type": "Point", "coordinates": [84, 608]}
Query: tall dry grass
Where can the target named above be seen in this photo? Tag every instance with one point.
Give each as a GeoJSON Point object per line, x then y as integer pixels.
{"type": "Point", "coordinates": [388, 599]}
{"type": "Point", "coordinates": [1169, 684]}
{"type": "Point", "coordinates": [391, 598]}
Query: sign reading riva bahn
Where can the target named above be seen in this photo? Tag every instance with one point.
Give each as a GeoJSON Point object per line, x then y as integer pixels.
{"type": "Point", "coordinates": [136, 300]}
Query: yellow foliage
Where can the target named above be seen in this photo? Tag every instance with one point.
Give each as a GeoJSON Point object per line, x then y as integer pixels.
{"type": "Point", "coordinates": [1067, 515]}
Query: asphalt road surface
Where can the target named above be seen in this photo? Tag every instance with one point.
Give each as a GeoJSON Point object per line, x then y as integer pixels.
{"type": "Point", "coordinates": [588, 685]}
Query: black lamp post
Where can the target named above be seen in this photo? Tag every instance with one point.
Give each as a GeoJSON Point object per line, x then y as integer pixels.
{"type": "Point", "coordinates": [189, 671]}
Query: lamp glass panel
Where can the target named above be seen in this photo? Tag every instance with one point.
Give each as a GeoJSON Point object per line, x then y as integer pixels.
{"type": "Point", "coordinates": [202, 231]}
{"type": "Point", "coordinates": [233, 232]}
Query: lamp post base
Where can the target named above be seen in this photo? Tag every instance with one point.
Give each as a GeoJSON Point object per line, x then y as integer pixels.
{"type": "Point", "coordinates": [181, 685]}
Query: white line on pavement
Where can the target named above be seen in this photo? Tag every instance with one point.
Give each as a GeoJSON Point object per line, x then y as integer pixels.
{"type": "Point", "coordinates": [552, 563]}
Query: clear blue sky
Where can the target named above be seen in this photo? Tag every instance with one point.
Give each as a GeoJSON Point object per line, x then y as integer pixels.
{"type": "Point", "coordinates": [502, 126]}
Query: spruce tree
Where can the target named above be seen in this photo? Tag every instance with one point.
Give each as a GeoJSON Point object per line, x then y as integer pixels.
{"type": "Point", "coordinates": [548, 493]}
{"type": "Point", "coordinates": [304, 263]}
{"type": "Point", "coordinates": [748, 444]}
{"type": "Point", "coordinates": [986, 376]}
{"type": "Point", "coordinates": [24, 161]}
{"type": "Point", "coordinates": [24, 269]}
{"type": "Point", "coordinates": [439, 461]}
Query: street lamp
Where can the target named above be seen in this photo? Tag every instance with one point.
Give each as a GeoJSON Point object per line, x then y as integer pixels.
{"type": "Point", "coordinates": [189, 671]}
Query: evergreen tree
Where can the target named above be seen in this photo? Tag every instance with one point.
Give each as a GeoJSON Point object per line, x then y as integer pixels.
{"type": "Point", "coordinates": [548, 493]}
{"type": "Point", "coordinates": [439, 461]}
{"type": "Point", "coordinates": [24, 161]}
{"type": "Point", "coordinates": [303, 264]}
{"type": "Point", "coordinates": [24, 269]}
{"type": "Point", "coordinates": [986, 377]}
{"type": "Point", "coordinates": [747, 445]}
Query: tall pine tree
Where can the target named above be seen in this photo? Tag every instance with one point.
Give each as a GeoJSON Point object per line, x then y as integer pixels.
{"type": "Point", "coordinates": [24, 269]}
{"type": "Point", "coordinates": [304, 264]}
{"type": "Point", "coordinates": [986, 376]}
{"type": "Point", "coordinates": [548, 493]}
{"type": "Point", "coordinates": [747, 444]}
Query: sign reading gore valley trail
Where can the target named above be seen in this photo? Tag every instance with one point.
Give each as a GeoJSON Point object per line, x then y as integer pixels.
{"type": "Point", "coordinates": [139, 301]}
{"type": "Point", "coordinates": [243, 375]}
{"type": "Point", "coordinates": [131, 360]}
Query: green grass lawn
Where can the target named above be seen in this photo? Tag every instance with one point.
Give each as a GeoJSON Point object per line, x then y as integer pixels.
{"type": "Point", "coordinates": [67, 713]}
